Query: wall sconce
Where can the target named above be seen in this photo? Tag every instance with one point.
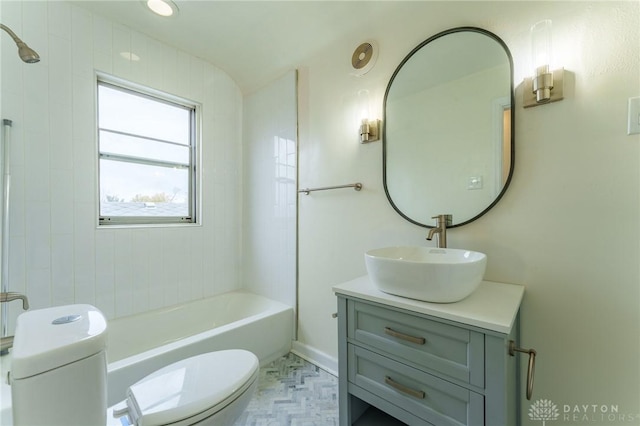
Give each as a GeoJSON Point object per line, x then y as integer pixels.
{"type": "Point", "coordinates": [369, 128]}
{"type": "Point", "coordinates": [545, 86]}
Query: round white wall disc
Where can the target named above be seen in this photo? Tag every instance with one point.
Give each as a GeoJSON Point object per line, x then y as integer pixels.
{"type": "Point", "coordinates": [364, 58]}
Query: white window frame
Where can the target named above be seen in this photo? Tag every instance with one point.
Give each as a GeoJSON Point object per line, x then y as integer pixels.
{"type": "Point", "coordinates": [194, 155]}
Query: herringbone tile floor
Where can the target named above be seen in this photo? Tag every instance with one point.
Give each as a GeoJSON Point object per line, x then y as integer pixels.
{"type": "Point", "coordinates": [293, 392]}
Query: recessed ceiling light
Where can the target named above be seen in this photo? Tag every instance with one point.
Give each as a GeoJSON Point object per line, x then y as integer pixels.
{"type": "Point", "coordinates": [162, 7]}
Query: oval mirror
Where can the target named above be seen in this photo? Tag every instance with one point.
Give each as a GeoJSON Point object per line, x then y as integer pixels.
{"type": "Point", "coordinates": [448, 127]}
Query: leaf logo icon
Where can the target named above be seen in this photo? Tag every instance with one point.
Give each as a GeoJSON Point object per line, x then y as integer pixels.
{"type": "Point", "coordinates": [543, 409]}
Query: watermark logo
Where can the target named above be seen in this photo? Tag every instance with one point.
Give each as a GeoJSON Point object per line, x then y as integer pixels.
{"type": "Point", "coordinates": [544, 410]}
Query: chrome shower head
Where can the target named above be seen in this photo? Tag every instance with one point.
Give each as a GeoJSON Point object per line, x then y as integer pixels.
{"type": "Point", "coordinates": [26, 53]}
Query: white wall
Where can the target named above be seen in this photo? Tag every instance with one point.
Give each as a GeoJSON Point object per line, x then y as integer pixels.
{"type": "Point", "coordinates": [57, 256]}
{"type": "Point", "coordinates": [568, 228]}
{"type": "Point", "coordinates": [270, 137]}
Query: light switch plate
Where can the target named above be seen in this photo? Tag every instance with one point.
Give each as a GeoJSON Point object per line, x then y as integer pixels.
{"type": "Point", "coordinates": [633, 126]}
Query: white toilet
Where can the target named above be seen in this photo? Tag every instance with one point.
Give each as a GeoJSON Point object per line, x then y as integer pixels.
{"type": "Point", "coordinates": [59, 377]}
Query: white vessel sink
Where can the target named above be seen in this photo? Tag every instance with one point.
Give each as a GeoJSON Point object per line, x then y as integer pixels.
{"type": "Point", "coordinates": [426, 273]}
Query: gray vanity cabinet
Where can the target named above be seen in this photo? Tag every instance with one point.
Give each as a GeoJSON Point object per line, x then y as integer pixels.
{"type": "Point", "coordinates": [422, 369]}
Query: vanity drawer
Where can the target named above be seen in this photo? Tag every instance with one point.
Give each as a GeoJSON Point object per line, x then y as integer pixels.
{"type": "Point", "coordinates": [424, 395]}
{"type": "Point", "coordinates": [446, 349]}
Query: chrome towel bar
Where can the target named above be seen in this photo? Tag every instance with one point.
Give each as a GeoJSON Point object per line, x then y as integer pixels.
{"type": "Point", "coordinates": [357, 186]}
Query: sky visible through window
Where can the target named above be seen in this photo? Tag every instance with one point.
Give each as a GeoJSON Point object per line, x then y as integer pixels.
{"type": "Point", "coordinates": [145, 151]}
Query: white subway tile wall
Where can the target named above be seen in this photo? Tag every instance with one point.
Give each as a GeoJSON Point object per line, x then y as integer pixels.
{"type": "Point", "coordinates": [270, 198]}
{"type": "Point", "coordinates": [57, 254]}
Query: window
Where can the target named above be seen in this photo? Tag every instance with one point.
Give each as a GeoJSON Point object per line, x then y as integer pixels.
{"type": "Point", "coordinates": [147, 157]}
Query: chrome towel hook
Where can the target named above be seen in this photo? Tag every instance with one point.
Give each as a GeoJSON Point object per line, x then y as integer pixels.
{"type": "Point", "coordinates": [530, 369]}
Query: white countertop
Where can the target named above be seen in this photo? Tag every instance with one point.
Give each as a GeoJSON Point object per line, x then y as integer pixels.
{"type": "Point", "coordinates": [493, 306]}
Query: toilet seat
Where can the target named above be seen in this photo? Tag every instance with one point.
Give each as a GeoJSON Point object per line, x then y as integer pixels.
{"type": "Point", "coordinates": [192, 389]}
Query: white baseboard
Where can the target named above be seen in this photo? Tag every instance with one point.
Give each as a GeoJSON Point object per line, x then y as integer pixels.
{"type": "Point", "coordinates": [314, 356]}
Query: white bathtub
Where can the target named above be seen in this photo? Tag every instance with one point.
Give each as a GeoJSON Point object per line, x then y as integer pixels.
{"type": "Point", "coordinates": [140, 344]}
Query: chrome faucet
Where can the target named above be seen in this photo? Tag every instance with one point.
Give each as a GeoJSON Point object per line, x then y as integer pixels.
{"type": "Point", "coordinates": [7, 341]}
{"type": "Point", "coordinates": [444, 220]}
{"type": "Point", "coordinates": [8, 297]}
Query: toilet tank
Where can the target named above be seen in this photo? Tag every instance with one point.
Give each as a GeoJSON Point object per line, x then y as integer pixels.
{"type": "Point", "coordinates": [59, 367]}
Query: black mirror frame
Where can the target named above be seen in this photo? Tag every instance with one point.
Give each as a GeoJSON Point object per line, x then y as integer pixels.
{"type": "Point", "coordinates": [384, 121]}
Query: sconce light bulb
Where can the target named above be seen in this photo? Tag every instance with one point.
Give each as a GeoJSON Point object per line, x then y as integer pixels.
{"type": "Point", "coordinates": [369, 128]}
{"type": "Point", "coordinates": [547, 84]}
{"type": "Point", "coordinates": [541, 45]}
{"type": "Point", "coordinates": [541, 60]}
{"type": "Point", "coordinates": [363, 105]}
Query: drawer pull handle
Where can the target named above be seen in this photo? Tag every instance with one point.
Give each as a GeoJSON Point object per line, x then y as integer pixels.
{"type": "Point", "coordinates": [530, 369]}
{"type": "Point", "coordinates": [408, 338]}
{"type": "Point", "coordinates": [404, 389]}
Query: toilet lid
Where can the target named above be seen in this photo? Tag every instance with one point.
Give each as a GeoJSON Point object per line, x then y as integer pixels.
{"type": "Point", "coordinates": [191, 386]}
{"type": "Point", "coordinates": [50, 338]}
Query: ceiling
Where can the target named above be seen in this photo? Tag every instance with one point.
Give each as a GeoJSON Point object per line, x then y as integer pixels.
{"type": "Point", "coordinates": [253, 41]}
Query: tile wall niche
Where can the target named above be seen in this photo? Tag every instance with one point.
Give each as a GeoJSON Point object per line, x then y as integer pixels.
{"type": "Point", "coordinates": [56, 253]}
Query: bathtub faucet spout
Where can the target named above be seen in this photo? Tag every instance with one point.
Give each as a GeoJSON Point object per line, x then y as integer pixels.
{"type": "Point", "coordinates": [8, 297]}
{"type": "Point", "coordinates": [7, 341]}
